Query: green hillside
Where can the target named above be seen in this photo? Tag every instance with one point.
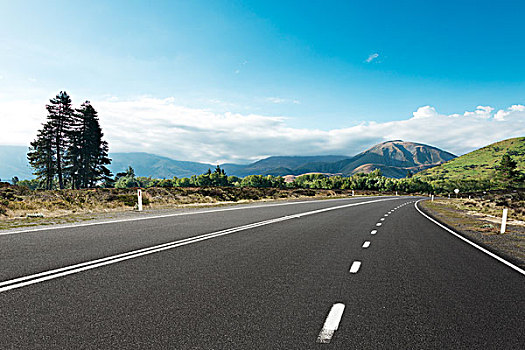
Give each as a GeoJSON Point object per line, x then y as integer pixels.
{"type": "Point", "coordinates": [479, 164]}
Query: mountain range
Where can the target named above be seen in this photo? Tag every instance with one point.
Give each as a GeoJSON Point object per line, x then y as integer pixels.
{"type": "Point", "coordinates": [393, 158]}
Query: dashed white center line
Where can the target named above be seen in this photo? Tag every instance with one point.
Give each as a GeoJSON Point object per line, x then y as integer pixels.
{"type": "Point", "coordinates": [373, 232]}
{"type": "Point", "coordinates": [378, 224]}
{"type": "Point", "coordinates": [386, 214]}
{"type": "Point", "coordinates": [355, 266]}
{"type": "Point", "coordinates": [382, 219]}
{"type": "Point", "coordinates": [366, 244]}
{"type": "Point", "coordinates": [331, 323]}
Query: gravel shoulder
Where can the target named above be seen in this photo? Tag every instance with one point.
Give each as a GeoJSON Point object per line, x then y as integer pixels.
{"type": "Point", "coordinates": [481, 228]}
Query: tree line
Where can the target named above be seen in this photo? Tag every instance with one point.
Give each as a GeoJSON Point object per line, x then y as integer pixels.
{"type": "Point", "coordinates": [507, 176]}
{"type": "Point", "coordinates": [69, 151]}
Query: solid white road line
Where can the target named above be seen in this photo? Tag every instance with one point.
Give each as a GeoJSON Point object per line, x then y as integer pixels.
{"type": "Point", "coordinates": [331, 324]}
{"type": "Point", "coordinates": [366, 244]}
{"type": "Point", "coordinates": [373, 232]}
{"type": "Point", "coordinates": [355, 266]}
{"type": "Point", "coordinates": [500, 259]}
{"type": "Point", "coordinates": [58, 227]}
{"type": "Point", "coordinates": [68, 270]}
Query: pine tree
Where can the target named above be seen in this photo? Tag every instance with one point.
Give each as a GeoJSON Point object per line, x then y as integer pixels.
{"type": "Point", "coordinates": [60, 119]}
{"type": "Point", "coordinates": [41, 156]}
{"type": "Point", "coordinates": [89, 150]}
{"type": "Point", "coordinates": [70, 147]}
{"type": "Point", "coordinates": [507, 168]}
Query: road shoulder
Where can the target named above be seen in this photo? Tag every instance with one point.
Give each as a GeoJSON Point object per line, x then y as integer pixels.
{"type": "Point", "coordinates": [510, 246]}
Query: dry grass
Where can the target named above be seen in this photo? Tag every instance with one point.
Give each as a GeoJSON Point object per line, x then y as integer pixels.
{"type": "Point", "coordinates": [17, 202]}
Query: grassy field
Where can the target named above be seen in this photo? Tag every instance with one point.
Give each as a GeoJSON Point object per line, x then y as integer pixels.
{"type": "Point", "coordinates": [19, 205]}
{"type": "Point", "coordinates": [480, 164]}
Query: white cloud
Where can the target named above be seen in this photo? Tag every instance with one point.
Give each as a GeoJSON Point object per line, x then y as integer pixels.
{"type": "Point", "coordinates": [372, 57]}
{"type": "Point", "coordinates": [162, 127]}
{"type": "Point", "coordinates": [484, 112]}
{"type": "Point", "coordinates": [501, 115]}
{"type": "Point", "coordinates": [425, 112]}
{"type": "Point", "coordinates": [279, 100]}
{"type": "Point", "coordinates": [276, 100]}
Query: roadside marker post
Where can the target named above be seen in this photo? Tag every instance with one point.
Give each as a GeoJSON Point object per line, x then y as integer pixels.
{"type": "Point", "coordinates": [352, 193]}
{"type": "Point", "coordinates": [139, 199]}
{"type": "Point", "coordinates": [432, 198]}
{"type": "Point", "coordinates": [396, 193]}
{"type": "Point", "coordinates": [504, 221]}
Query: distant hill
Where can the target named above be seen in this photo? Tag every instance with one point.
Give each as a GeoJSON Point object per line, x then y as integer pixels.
{"type": "Point", "coordinates": [479, 164]}
{"type": "Point", "coordinates": [13, 162]}
{"type": "Point", "coordinates": [393, 158]}
{"type": "Point", "coordinates": [283, 165]}
{"type": "Point", "coordinates": [146, 164]}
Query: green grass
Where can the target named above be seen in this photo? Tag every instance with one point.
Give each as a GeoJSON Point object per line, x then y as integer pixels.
{"type": "Point", "coordinates": [480, 164]}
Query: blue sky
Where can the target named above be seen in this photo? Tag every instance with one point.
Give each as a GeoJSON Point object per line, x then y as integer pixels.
{"type": "Point", "coordinates": [320, 65]}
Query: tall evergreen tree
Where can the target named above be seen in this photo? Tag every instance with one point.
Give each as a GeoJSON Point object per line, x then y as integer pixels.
{"type": "Point", "coordinates": [89, 150]}
{"type": "Point", "coordinates": [70, 146]}
{"type": "Point", "coordinates": [41, 156]}
{"type": "Point", "coordinates": [60, 118]}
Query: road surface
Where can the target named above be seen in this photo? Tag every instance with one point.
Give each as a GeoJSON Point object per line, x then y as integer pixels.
{"type": "Point", "coordinates": [357, 273]}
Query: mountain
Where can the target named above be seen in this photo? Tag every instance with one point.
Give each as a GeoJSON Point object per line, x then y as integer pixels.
{"type": "Point", "coordinates": [281, 165]}
{"type": "Point", "coordinates": [479, 164]}
{"type": "Point", "coordinates": [146, 164]}
{"type": "Point", "coordinates": [13, 162]}
{"type": "Point", "coordinates": [393, 158]}
{"type": "Point", "coordinates": [396, 158]}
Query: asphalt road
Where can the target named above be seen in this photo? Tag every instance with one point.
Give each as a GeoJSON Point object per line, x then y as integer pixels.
{"type": "Point", "coordinates": [263, 277]}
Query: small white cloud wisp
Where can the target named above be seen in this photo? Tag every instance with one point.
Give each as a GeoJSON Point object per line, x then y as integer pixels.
{"type": "Point", "coordinates": [372, 57]}
{"type": "Point", "coordinates": [162, 127]}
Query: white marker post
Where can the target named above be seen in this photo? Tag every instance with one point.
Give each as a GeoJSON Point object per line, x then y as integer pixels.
{"type": "Point", "coordinates": [139, 199]}
{"type": "Point", "coordinates": [504, 221]}
{"type": "Point", "coordinates": [456, 191]}
{"type": "Point", "coordinates": [432, 198]}
{"type": "Point", "coordinates": [352, 193]}
{"type": "Point", "coordinates": [396, 193]}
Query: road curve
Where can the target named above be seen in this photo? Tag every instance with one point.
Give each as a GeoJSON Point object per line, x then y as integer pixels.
{"type": "Point", "coordinates": [361, 273]}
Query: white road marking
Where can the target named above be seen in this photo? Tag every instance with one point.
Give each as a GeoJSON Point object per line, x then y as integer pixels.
{"type": "Point", "coordinates": [58, 227]}
{"type": "Point", "coordinates": [386, 214]}
{"type": "Point", "coordinates": [378, 224]}
{"type": "Point", "coordinates": [382, 219]}
{"type": "Point", "coordinates": [68, 270]}
{"type": "Point", "coordinates": [366, 244]}
{"type": "Point", "coordinates": [331, 324]}
{"type": "Point", "coordinates": [373, 232]}
{"type": "Point", "coordinates": [355, 266]}
{"type": "Point", "coordinates": [500, 259]}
